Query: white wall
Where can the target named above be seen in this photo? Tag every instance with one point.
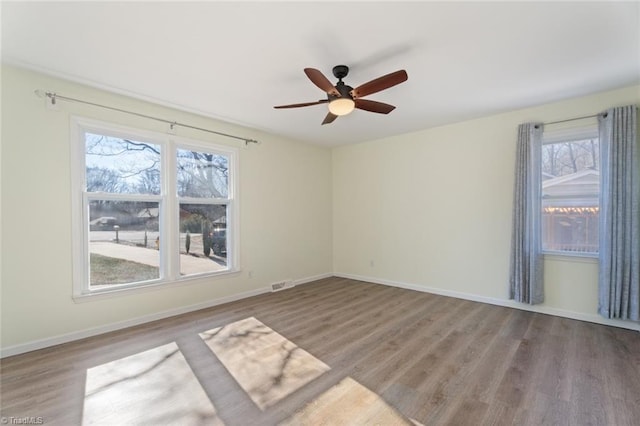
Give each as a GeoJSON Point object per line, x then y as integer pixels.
{"type": "Point", "coordinates": [431, 210]}
{"type": "Point", "coordinates": [285, 202]}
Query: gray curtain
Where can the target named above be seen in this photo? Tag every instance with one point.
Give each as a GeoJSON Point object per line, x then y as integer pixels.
{"type": "Point", "coordinates": [619, 274]}
{"type": "Point", "coordinates": [526, 266]}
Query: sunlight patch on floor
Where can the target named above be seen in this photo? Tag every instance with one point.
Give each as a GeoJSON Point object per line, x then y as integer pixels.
{"type": "Point", "coordinates": [152, 387]}
{"type": "Point", "coordinates": [265, 364]}
{"type": "Point", "coordinates": [348, 403]}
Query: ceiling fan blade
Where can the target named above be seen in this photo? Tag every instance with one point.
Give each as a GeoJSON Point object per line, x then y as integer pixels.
{"type": "Point", "coordinates": [329, 118]}
{"type": "Point", "coordinates": [321, 81]}
{"type": "Point", "coordinates": [379, 84]}
{"type": "Point", "coordinates": [322, 101]}
{"type": "Point", "coordinates": [374, 106]}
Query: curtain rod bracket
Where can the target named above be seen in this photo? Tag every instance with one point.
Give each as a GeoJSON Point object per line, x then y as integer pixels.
{"type": "Point", "coordinates": [50, 99]}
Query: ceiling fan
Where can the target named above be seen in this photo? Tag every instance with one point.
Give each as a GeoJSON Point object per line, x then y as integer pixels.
{"type": "Point", "coordinates": [342, 99]}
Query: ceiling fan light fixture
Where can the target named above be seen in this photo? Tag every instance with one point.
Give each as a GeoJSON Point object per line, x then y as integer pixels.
{"type": "Point", "coordinates": [341, 106]}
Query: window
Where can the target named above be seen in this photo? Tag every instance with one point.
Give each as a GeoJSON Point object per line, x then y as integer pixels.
{"type": "Point", "coordinates": [570, 171]}
{"type": "Point", "coordinates": [149, 208]}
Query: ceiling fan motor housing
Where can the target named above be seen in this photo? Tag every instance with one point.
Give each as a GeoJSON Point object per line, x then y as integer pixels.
{"type": "Point", "coordinates": [344, 90]}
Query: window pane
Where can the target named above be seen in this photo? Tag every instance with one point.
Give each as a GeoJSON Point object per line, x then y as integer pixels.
{"type": "Point", "coordinates": [572, 229]}
{"type": "Point", "coordinates": [203, 238]}
{"type": "Point", "coordinates": [121, 166]}
{"type": "Point", "coordinates": [123, 242]}
{"type": "Point", "coordinates": [566, 158]}
{"type": "Point", "coordinates": [202, 174]}
{"type": "Point", "coordinates": [570, 192]}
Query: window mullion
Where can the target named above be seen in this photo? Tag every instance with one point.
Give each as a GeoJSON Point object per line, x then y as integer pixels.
{"type": "Point", "coordinates": [170, 209]}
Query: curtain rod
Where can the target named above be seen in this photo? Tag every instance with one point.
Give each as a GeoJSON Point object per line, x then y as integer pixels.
{"type": "Point", "coordinates": [172, 124]}
{"type": "Point", "coordinates": [575, 118]}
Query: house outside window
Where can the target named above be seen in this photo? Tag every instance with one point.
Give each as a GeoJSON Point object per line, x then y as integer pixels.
{"type": "Point", "coordinates": [570, 170]}
{"type": "Point", "coordinates": [149, 209]}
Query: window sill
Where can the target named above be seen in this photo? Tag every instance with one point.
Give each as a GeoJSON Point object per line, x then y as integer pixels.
{"type": "Point", "coordinates": [564, 257]}
{"type": "Point", "coordinates": [90, 296]}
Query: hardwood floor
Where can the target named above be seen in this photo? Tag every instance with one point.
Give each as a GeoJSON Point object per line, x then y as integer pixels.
{"type": "Point", "coordinates": [336, 351]}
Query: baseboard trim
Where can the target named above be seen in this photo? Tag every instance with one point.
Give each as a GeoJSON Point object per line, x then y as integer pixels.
{"type": "Point", "coordinates": [77, 335]}
{"type": "Point", "coordinates": [499, 302]}
{"type": "Point", "coordinates": [314, 278]}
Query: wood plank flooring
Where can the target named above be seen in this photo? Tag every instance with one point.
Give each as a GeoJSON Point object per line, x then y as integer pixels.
{"type": "Point", "coordinates": [379, 355]}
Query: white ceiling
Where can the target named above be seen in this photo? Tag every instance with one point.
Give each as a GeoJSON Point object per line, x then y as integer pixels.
{"type": "Point", "coordinates": [235, 60]}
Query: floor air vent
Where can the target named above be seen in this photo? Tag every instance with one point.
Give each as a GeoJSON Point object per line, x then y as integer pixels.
{"type": "Point", "coordinates": [281, 285]}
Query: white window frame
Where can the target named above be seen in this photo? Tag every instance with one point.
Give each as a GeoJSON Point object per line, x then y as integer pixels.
{"type": "Point", "coordinates": [560, 136]}
{"type": "Point", "coordinates": [168, 200]}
